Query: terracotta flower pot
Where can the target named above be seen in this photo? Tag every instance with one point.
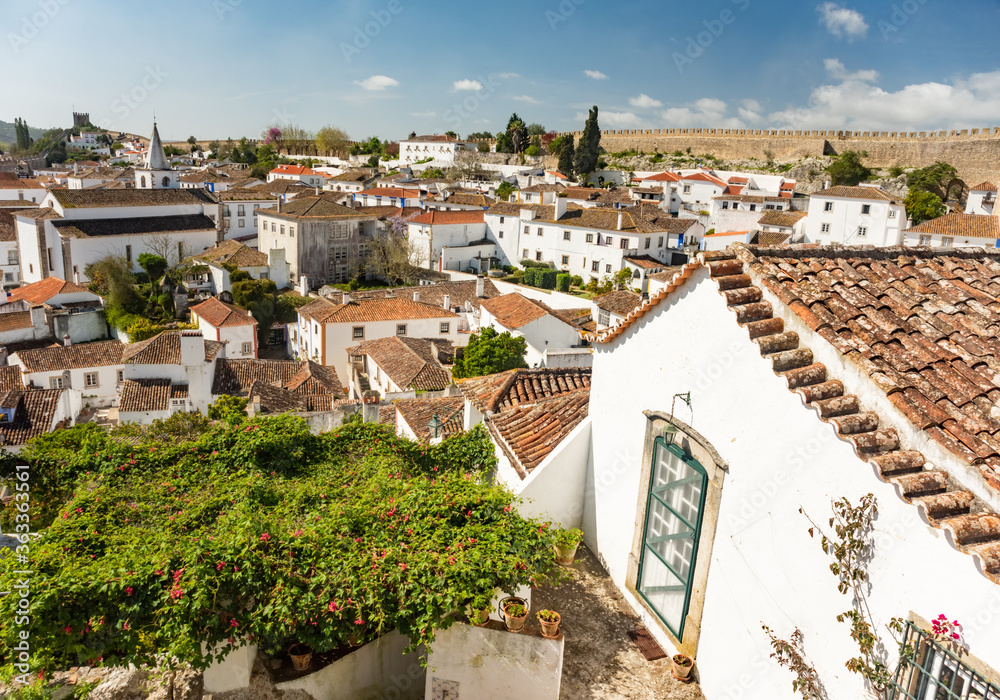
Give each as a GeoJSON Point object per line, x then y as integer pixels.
{"type": "Point", "coordinates": [514, 623]}
{"type": "Point", "coordinates": [479, 618]}
{"type": "Point", "coordinates": [301, 656]}
{"type": "Point", "coordinates": [565, 555]}
{"type": "Point", "coordinates": [682, 667]}
{"type": "Point", "coordinates": [550, 629]}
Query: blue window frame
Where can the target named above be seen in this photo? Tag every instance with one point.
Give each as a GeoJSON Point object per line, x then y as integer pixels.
{"type": "Point", "coordinates": [676, 501]}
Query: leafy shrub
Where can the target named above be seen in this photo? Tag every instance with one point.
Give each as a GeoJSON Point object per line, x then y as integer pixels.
{"type": "Point", "coordinates": [563, 282]}
{"type": "Point", "coordinates": [546, 279]}
{"type": "Point", "coordinates": [531, 276]}
{"type": "Point", "coordinates": [576, 281]}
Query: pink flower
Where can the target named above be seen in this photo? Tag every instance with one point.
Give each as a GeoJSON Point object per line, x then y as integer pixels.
{"type": "Point", "coordinates": [128, 590]}
{"type": "Point", "coordinates": [220, 566]}
{"type": "Point", "coordinates": [265, 537]}
{"type": "Point", "coordinates": [234, 623]}
{"type": "Point", "coordinates": [333, 607]}
{"type": "Point", "coordinates": [67, 629]}
{"type": "Point", "coordinates": [359, 621]}
{"type": "Point", "coordinates": [402, 567]}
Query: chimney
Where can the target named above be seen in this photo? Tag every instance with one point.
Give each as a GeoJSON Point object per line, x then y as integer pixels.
{"type": "Point", "coordinates": [67, 341]}
{"type": "Point", "coordinates": [76, 278]}
{"type": "Point", "coordinates": [317, 192]}
{"type": "Point", "coordinates": [619, 220]}
{"type": "Point", "coordinates": [560, 207]}
{"type": "Point", "coordinates": [303, 286]}
{"type": "Point", "coordinates": [446, 302]}
{"type": "Point", "coordinates": [416, 296]}
{"type": "Point", "coordinates": [76, 167]}
{"type": "Point", "coordinates": [480, 286]}
{"type": "Point", "coordinates": [346, 298]}
{"type": "Point", "coordinates": [279, 205]}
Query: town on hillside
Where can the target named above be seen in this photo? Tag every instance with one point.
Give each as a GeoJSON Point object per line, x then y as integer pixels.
{"type": "Point", "coordinates": [663, 403]}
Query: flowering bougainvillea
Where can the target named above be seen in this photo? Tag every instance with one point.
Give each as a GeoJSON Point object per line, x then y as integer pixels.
{"type": "Point", "coordinates": [263, 532]}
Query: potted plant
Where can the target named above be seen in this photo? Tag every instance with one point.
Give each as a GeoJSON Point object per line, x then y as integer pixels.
{"type": "Point", "coordinates": [513, 610]}
{"type": "Point", "coordinates": [549, 621]}
{"type": "Point", "coordinates": [566, 543]}
{"type": "Point", "coordinates": [479, 611]}
{"type": "Point", "coordinates": [682, 666]}
{"type": "Point", "coordinates": [301, 656]}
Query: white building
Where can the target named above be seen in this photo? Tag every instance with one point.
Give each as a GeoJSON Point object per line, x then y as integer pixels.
{"type": "Point", "coordinates": [154, 171]}
{"type": "Point", "coordinates": [397, 366]}
{"type": "Point", "coordinates": [240, 207]}
{"type": "Point", "coordinates": [81, 179]}
{"type": "Point", "coordinates": [863, 215]}
{"type": "Point", "coordinates": [94, 369]}
{"type": "Point", "coordinates": [325, 330]}
{"type": "Point", "coordinates": [712, 528]}
{"type": "Point", "coordinates": [390, 196]}
{"type": "Point", "coordinates": [741, 212]}
{"type": "Point", "coordinates": [981, 199]}
{"type": "Point", "coordinates": [299, 173]}
{"type": "Point", "coordinates": [956, 231]}
{"type": "Point", "coordinates": [218, 259]}
{"type": "Point", "coordinates": [73, 228]}
{"type": "Point", "coordinates": [228, 324]}
{"type": "Point", "coordinates": [544, 329]}
{"type": "Point", "coordinates": [10, 265]}
{"type": "Point", "coordinates": [449, 240]}
{"type": "Point", "coordinates": [612, 308]}
{"type": "Point", "coordinates": [432, 147]}
{"type": "Point", "coordinates": [16, 191]}
{"type": "Point", "coordinates": [69, 312]}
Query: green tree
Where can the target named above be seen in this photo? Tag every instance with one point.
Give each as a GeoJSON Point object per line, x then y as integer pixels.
{"type": "Point", "coordinates": [535, 129]}
{"type": "Point", "coordinates": [505, 190]}
{"type": "Point", "coordinates": [933, 178]}
{"type": "Point", "coordinates": [332, 140]}
{"type": "Point", "coordinates": [154, 265]}
{"type": "Point", "coordinates": [214, 147]}
{"type": "Point", "coordinates": [566, 155]}
{"type": "Point", "coordinates": [518, 134]}
{"type": "Point", "coordinates": [532, 151]}
{"type": "Point", "coordinates": [231, 409]}
{"type": "Point", "coordinates": [489, 352]}
{"type": "Point", "coordinates": [112, 277]}
{"type": "Point", "coordinates": [260, 297]}
{"type": "Point", "coordinates": [921, 206]}
{"type": "Point", "coordinates": [504, 143]}
{"type": "Point", "coordinates": [57, 153]}
{"type": "Point", "coordinates": [589, 148]}
{"type": "Point", "coordinates": [847, 169]}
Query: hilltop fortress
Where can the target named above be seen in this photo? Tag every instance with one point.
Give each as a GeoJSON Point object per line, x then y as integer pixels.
{"type": "Point", "coordinates": [974, 152]}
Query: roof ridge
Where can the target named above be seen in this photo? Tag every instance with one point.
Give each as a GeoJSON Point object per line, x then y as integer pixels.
{"type": "Point", "coordinates": [944, 505]}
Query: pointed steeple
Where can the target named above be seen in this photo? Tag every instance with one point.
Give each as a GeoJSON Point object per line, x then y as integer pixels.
{"type": "Point", "coordinates": [156, 159]}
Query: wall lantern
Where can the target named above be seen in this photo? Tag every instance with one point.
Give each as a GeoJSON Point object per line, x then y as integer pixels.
{"type": "Point", "coordinates": [671, 430]}
{"type": "Point", "coordinates": [435, 425]}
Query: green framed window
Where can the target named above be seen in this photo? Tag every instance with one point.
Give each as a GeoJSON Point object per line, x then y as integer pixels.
{"type": "Point", "coordinates": [676, 502]}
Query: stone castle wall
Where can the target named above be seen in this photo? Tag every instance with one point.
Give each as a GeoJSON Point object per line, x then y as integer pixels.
{"type": "Point", "coordinates": [974, 152]}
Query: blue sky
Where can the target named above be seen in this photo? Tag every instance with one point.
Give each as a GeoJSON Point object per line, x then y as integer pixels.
{"type": "Point", "coordinates": [219, 68]}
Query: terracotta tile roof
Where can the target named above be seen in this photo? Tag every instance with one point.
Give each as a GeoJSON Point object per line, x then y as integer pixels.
{"type": "Point", "coordinates": [856, 193]}
{"type": "Point", "coordinates": [233, 253]}
{"type": "Point", "coordinates": [10, 378]}
{"type": "Point", "coordinates": [78, 356]}
{"type": "Point", "coordinates": [661, 177]}
{"type": "Point", "coordinates": [499, 392]}
{"type": "Point", "coordinates": [365, 310]}
{"type": "Point", "coordinates": [667, 274]}
{"type": "Point", "coordinates": [317, 208]}
{"type": "Point", "coordinates": [409, 362]}
{"type": "Point", "coordinates": [218, 314]}
{"type": "Point", "coordinates": [736, 179]}
{"type": "Point", "coordinates": [354, 176]}
{"type": "Point", "coordinates": [459, 293]}
{"type": "Point", "coordinates": [383, 212]}
{"type": "Point", "coordinates": [133, 226]}
{"type": "Point", "coordinates": [446, 218]}
{"type": "Point", "coordinates": [650, 211]}
{"type": "Point", "coordinates": [704, 177]}
{"type": "Point", "coordinates": [8, 224]}
{"type": "Point", "coordinates": [130, 198]}
{"type": "Point", "coordinates": [584, 193]}
{"type": "Point", "coordinates": [387, 415]}
{"type": "Point", "coordinates": [556, 173]}
{"type": "Point", "coordinates": [273, 399]}
{"type": "Point", "coordinates": [417, 413]}
{"type": "Point", "coordinates": [15, 320]}
{"type": "Point", "coordinates": [10, 181]}
{"type": "Point", "coordinates": [243, 194]}
{"type": "Point", "coordinates": [646, 262]}
{"type": "Point", "coordinates": [787, 186]}
{"type": "Point", "coordinates": [770, 238]}
{"type": "Point", "coordinates": [386, 192]}
{"type": "Point", "coordinates": [470, 199]}
{"type": "Point", "coordinates": [578, 318]}
{"type": "Point", "coordinates": [959, 225]}
{"type": "Point", "coordinates": [600, 218]}
{"type": "Point", "coordinates": [43, 290]}
{"type": "Point", "coordinates": [620, 302]}
{"type": "Point", "coordinates": [283, 186]}
{"type": "Point", "coordinates": [544, 187]}
{"type": "Point", "coordinates": [40, 214]}
{"type": "Point", "coordinates": [786, 219]}
{"type": "Point", "coordinates": [303, 378]}
{"type": "Point", "coordinates": [530, 432]}
{"type": "Point", "coordinates": [144, 395]}
{"type": "Point", "coordinates": [33, 416]}
{"type": "Point", "coordinates": [433, 138]}
{"type": "Point", "coordinates": [984, 187]}
{"type": "Point", "coordinates": [165, 348]}
{"type": "Point", "coordinates": [514, 310]}
{"type": "Point", "coordinates": [296, 170]}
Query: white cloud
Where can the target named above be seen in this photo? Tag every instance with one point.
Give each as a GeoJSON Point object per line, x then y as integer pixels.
{"type": "Point", "coordinates": [423, 114]}
{"type": "Point", "coordinates": [749, 111]}
{"type": "Point", "coordinates": [616, 119]}
{"type": "Point", "coordinates": [708, 111]}
{"type": "Point", "coordinates": [855, 101]}
{"type": "Point", "coordinates": [595, 74]}
{"type": "Point", "coordinates": [842, 22]}
{"type": "Point", "coordinates": [377, 82]}
{"type": "Point", "coordinates": [644, 101]}
{"type": "Point", "coordinates": [467, 85]}
{"type": "Point", "coordinates": [526, 98]}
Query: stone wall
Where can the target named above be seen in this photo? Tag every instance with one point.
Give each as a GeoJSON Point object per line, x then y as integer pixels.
{"type": "Point", "coordinates": [974, 152]}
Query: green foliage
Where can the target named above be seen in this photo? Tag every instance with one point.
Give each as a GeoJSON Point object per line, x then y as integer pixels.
{"type": "Point", "coordinates": [933, 178]}
{"type": "Point", "coordinates": [922, 205]}
{"type": "Point", "coordinates": [589, 149]}
{"type": "Point", "coordinates": [896, 171]}
{"type": "Point", "coordinates": [154, 265]}
{"type": "Point", "coordinates": [489, 352]}
{"type": "Point", "coordinates": [847, 169]}
{"type": "Point", "coordinates": [567, 538]}
{"type": "Point", "coordinates": [547, 278]}
{"type": "Point", "coordinates": [432, 173]}
{"type": "Point", "coordinates": [112, 277]}
{"type": "Point", "coordinates": [791, 655]}
{"type": "Point", "coordinates": [166, 302]}
{"type": "Point", "coordinates": [237, 275]}
{"type": "Point", "coordinates": [531, 276]}
{"type": "Point", "coordinates": [563, 282]}
{"type": "Point", "coordinates": [505, 190]}
{"type": "Point", "coordinates": [232, 409]}
{"type": "Point", "coordinates": [532, 151]}
{"type": "Point", "coordinates": [567, 155]}
{"type": "Point", "coordinates": [576, 281]}
{"type": "Point", "coordinates": [156, 546]}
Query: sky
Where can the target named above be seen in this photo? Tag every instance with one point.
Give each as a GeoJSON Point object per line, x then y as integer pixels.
{"type": "Point", "coordinates": [230, 68]}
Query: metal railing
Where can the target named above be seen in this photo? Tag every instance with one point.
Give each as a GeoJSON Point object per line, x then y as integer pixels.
{"type": "Point", "coordinates": [935, 673]}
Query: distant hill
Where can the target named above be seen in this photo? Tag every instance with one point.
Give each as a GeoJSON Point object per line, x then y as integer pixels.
{"type": "Point", "coordinates": [8, 135]}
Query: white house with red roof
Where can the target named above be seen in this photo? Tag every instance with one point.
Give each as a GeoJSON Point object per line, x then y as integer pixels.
{"type": "Point", "coordinates": [696, 189]}
{"type": "Point", "coordinates": [228, 324]}
{"type": "Point", "coordinates": [390, 197]}
{"type": "Point", "coordinates": [981, 199]}
{"type": "Point", "coordinates": [17, 191]}
{"type": "Point", "coordinates": [300, 173]}
{"type": "Point", "coordinates": [69, 312]}
{"type": "Point", "coordinates": [542, 327]}
{"type": "Point", "coordinates": [723, 239]}
{"type": "Point", "coordinates": [450, 240]}
{"type": "Point", "coordinates": [862, 215]}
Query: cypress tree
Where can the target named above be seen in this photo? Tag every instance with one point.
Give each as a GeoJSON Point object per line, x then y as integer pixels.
{"type": "Point", "coordinates": [590, 144]}
{"type": "Point", "coordinates": [566, 156]}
